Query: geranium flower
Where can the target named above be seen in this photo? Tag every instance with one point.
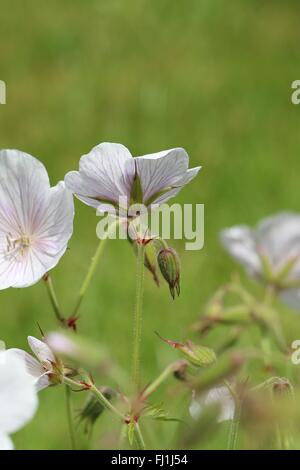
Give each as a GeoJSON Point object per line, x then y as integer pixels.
{"type": "Point", "coordinates": [109, 172]}
{"type": "Point", "coordinates": [44, 369]}
{"type": "Point", "coordinates": [270, 252]}
{"type": "Point", "coordinates": [36, 221]}
{"type": "Point", "coordinates": [18, 397]}
{"type": "Point", "coordinates": [220, 396]}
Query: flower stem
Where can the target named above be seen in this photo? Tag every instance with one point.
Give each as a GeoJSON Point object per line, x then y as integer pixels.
{"type": "Point", "coordinates": [101, 398]}
{"type": "Point", "coordinates": [89, 275]}
{"type": "Point", "coordinates": [137, 327]}
{"type": "Point", "coordinates": [92, 268]}
{"type": "Point", "coordinates": [139, 437]}
{"type": "Point", "coordinates": [234, 426]}
{"type": "Point", "coordinates": [70, 418]}
{"type": "Point", "coordinates": [153, 386]}
{"type": "Point", "coordinates": [53, 299]}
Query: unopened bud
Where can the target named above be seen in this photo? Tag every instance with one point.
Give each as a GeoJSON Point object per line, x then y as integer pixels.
{"type": "Point", "coordinates": [169, 265]}
{"type": "Point", "coordinates": [93, 408]}
{"type": "Point", "coordinates": [199, 356]}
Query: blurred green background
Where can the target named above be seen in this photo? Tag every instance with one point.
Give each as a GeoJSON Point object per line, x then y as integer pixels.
{"type": "Point", "coordinates": [212, 76]}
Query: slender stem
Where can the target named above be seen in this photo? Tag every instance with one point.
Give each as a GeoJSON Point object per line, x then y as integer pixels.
{"type": "Point", "coordinates": [89, 275]}
{"type": "Point", "coordinates": [70, 418]}
{"type": "Point", "coordinates": [106, 403]}
{"type": "Point", "coordinates": [53, 299]}
{"type": "Point", "coordinates": [92, 267]}
{"type": "Point", "coordinates": [102, 399]}
{"type": "Point", "coordinates": [139, 437]}
{"type": "Point", "coordinates": [137, 326]}
{"type": "Point", "coordinates": [234, 426]}
{"type": "Point", "coordinates": [152, 387]}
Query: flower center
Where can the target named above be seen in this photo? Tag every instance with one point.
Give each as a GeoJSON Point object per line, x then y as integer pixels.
{"type": "Point", "coordinates": [17, 247]}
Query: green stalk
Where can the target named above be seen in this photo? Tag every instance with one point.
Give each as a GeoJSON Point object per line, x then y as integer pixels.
{"type": "Point", "coordinates": [101, 398]}
{"type": "Point", "coordinates": [137, 325]}
{"type": "Point", "coordinates": [92, 268]}
{"type": "Point", "coordinates": [53, 299]}
{"type": "Point", "coordinates": [70, 418]}
{"type": "Point", "coordinates": [139, 438]}
{"type": "Point", "coordinates": [234, 426]}
{"type": "Point", "coordinates": [153, 386]}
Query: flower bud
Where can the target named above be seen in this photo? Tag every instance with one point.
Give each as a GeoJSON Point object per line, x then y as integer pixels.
{"type": "Point", "coordinates": [169, 265]}
{"type": "Point", "coordinates": [93, 408]}
{"type": "Point", "coordinates": [199, 356]}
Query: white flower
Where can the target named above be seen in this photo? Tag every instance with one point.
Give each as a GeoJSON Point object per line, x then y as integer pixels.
{"type": "Point", "coordinates": [36, 221]}
{"type": "Point", "coordinates": [275, 242]}
{"type": "Point", "coordinates": [43, 369]}
{"type": "Point", "coordinates": [109, 172]}
{"type": "Point", "coordinates": [220, 396]}
{"type": "Point", "coordinates": [18, 397]}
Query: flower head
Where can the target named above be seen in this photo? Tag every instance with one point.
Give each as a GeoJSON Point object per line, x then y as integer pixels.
{"type": "Point", "coordinates": [270, 252]}
{"type": "Point", "coordinates": [36, 221]}
{"type": "Point", "coordinates": [18, 397]}
{"type": "Point", "coordinates": [109, 172]}
{"type": "Point", "coordinates": [45, 368]}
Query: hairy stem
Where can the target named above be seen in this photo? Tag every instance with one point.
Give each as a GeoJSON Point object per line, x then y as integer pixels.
{"type": "Point", "coordinates": [92, 268]}
{"type": "Point", "coordinates": [137, 325]}
{"type": "Point", "coordinates": [70, 418]}
{"type": "Point", "coordinates": [53, 299]}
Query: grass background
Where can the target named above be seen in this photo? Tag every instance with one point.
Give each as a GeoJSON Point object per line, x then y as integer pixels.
{"type": "Point", "coordinates": [212, 76]}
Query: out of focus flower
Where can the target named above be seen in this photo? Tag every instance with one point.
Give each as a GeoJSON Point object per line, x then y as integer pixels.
{"type": "Point", "coordinates": [18, 397]}
{"type": "Point", "coordinates": [109, 172]}
{"type": "Point", "coordinates": [36, 221]}
{"type": "Point", "coordinates": [45, 369]}
{"type": "Point", "coordinates": [219, 396]}
{"type": "Point", "coordinates": [270, 252]}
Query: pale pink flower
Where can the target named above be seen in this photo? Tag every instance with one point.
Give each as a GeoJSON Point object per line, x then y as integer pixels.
{"type": "Point", "coordinates": [274, 242]}
{"type": "Point", "coordinates": [36, 221]}
{"type": "Point", "coordinates": [42, 368]}
{"type": "Point", "coordinates": [109, 172]}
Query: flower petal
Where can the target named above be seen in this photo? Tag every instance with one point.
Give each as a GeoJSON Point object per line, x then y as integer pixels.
{"type": "Point", "coordinates": [5, 442]}
{"type": "Point", "coordinates": [240, 242]}
{"type": "Point", "coordinates": [41, 350]}
{"type": "Point", "coordinates": [34, 367]}
{"type": "Point", "coordinates": [23, 183]}
{"type": "Point", "coordinates": [42, 382]}
{"type": "Point", "coordinates": [279, 237]}
{"type": "Point", "coordinates": [105, 174]}
{"type": "Point", "coordinates": [223, 397]}
{"type": "Point", "coordinates": [18, 397]}
{"type": "Point", "coordinates": [162, 170]}
{"type": "Point", "coordinates": [190, 174]}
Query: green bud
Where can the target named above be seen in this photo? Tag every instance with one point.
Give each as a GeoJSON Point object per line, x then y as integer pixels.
{"type": "Point", "coordinates": [169, 265]}
{"type": "Point", "coordinates": [199, 356]}
{"type": "Point", "coordinates": [93, 408]}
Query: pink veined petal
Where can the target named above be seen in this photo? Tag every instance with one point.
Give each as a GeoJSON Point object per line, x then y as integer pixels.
{"type": "Point", "coordinates": [105, 173]}
{"type": "Point", "coordinates": [189, 176]}
{"type": "Point", "coordinates": [34, 367]}
{"type": "Point", "coordinates": [42, 382]}
{"type": "Point", "coordinates": [54, 227]}
{"type": "Point", "coordinates": [5, 442]}
{"type": "Point", "coordinates": [41, 350]}
{"type": "Point", "coordinates": [23, 184]}
{"type": "Point", "coordinates": [161, 170]}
